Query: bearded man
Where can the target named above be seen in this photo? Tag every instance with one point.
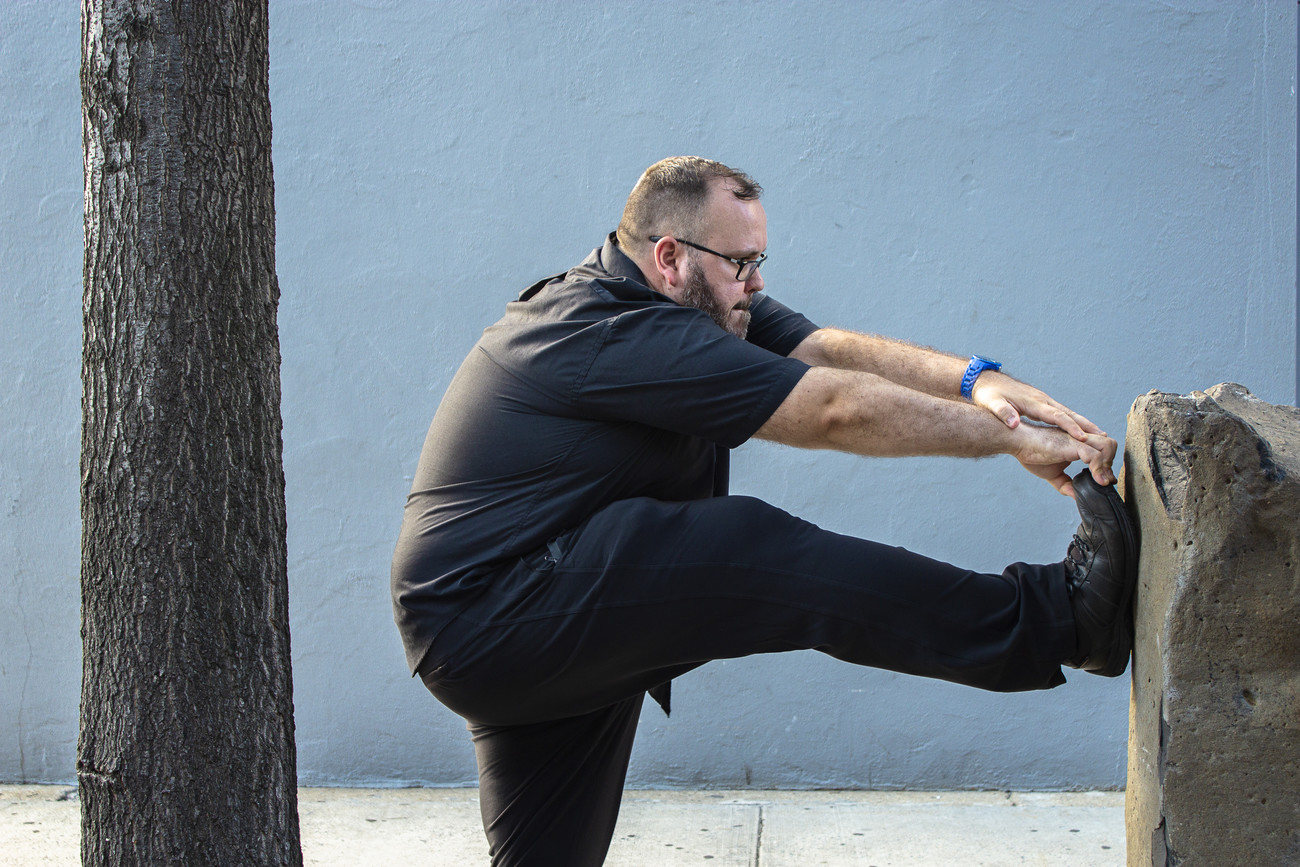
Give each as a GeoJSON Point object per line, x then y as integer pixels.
{"type": "Point", "coordinates": [569, 544]}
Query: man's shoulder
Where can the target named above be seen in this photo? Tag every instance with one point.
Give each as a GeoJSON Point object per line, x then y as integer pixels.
{"type": "Point", "coordinates": [584, 293]}
{"type": "Point", "coordinates": [562, 320]}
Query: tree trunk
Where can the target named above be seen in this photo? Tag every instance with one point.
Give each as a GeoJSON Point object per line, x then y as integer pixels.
{"type": "Point", "coordinates": [186, 754]}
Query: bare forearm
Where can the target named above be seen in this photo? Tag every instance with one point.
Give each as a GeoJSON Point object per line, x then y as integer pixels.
{"type": "Point", "coordinates": [873, 396]}
{"type": "Point", "coordinates": [939, 374]}
{"type": "Point", "coordinates": [867, 414]}
{"type": "Point", "coordinates": [916, 367]}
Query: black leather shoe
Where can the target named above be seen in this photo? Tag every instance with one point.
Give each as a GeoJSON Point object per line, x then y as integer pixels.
{"type": "Point", "coordinates": [1101, 571]}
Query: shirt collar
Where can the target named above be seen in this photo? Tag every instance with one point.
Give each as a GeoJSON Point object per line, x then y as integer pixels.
{"type": "Point", "coordinates": [614, 262]}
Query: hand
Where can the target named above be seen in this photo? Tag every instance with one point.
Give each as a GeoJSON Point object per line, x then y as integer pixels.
{"type": "Point", "coordinates": [1047, 451]}
{"type": "Point", "coordinates": [1009, 399]}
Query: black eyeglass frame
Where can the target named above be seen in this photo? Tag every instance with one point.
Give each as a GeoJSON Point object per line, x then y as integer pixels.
{"type": "Point", "coordinates": [741, 264]}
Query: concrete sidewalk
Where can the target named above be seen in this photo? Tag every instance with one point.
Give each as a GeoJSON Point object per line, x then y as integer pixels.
{"type": "Point", "coordinates": [437, 827]}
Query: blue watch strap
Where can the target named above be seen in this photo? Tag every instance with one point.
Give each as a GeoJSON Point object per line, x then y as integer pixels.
{"type": "Point", "coordinates": [978, 364]}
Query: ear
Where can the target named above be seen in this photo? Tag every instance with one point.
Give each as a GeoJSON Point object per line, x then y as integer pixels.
{"type": "Point", "coordinates": [669, 260]}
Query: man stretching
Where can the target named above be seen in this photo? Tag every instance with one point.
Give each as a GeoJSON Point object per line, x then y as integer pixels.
{"type": "Point", "coordinates": [569, 545]}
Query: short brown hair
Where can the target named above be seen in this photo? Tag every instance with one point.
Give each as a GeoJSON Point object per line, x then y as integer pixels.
{"type": "Point", "coordinates": [669, 199]}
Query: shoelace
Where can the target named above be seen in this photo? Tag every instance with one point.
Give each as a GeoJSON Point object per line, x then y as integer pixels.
{"type": "Point", "coordinates": [1076, 557]}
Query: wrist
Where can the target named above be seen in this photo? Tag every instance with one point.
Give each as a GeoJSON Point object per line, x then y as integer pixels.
{"type": "Point", "coordinates": [978, 365]}
{"type": "Point", "coordinates": [1013, 441]}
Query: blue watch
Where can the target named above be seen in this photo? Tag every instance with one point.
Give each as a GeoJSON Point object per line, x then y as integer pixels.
{"type": "Point", "coordinates": [978, 364]}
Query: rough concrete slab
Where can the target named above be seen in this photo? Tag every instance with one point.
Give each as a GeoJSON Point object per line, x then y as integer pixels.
{"type": "Point", "coordinates": [440, 828]}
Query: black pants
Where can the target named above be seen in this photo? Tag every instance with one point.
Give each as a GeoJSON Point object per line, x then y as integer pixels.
{"type": "Point", "coordinates": [551, 664]}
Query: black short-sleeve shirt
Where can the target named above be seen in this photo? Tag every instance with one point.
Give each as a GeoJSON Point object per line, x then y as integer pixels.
{"type": "Point", "coordinates": [592, 388]}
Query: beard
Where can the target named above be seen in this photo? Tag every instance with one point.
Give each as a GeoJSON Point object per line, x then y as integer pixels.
{"type": "Point", "coordinates": [697, 293]}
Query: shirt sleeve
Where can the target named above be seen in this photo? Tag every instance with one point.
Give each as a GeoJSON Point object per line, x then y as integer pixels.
{"type": "Point", "coordinates": [673, 368]}
{"type": "Point", "coordinates": [775, 327]}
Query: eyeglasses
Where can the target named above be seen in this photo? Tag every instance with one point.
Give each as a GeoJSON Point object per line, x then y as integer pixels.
{"type": "Point", "coordinates": [745, 268]}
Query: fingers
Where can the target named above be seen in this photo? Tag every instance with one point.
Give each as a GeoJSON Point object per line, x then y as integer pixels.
{"type": "Point", "coordinates": [1100, 461]}
{"type": "Point", "coordinates": [1055, 475]}
{"type": "Point", "coordinates": [1010, 399]}
{"type": "Point", "coordinates": [1067, 420]}
{"type": "Point", "coordinates": [1051, 451]}
{"type": "Point", "coordinates": [1075, 437]}
{"type": "Point", "coordinates": [1062, 482]}
{"type": "Point", "coordinates": [1064, 485]}
{"type": "Point", "coordinates": [1005, 411]}
{"type": "Point", "coordinates": [1085, 424]}
{"type": "Point", "coordinates": [1101, 471]}
{"type": "Point", "coordinates": [1098, 452]}
{"type": "Point", "coordinates": [1080, 424]}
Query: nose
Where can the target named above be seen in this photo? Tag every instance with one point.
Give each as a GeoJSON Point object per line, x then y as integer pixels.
{"type": "Point", "coordinates": [755, 282]}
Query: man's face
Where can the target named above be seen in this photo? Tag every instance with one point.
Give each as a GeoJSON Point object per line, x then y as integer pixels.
{"type": "Point", "coordinates": [738, 229]}
{"type": "Point", "coordinates": [699, 294]}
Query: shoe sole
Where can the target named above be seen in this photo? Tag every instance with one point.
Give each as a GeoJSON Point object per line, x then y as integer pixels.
{"type": "Point", "coordinates": [1118, 655]}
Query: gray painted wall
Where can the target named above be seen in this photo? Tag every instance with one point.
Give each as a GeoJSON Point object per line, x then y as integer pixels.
{"type": "Point", "coordinates": [1100, 194]}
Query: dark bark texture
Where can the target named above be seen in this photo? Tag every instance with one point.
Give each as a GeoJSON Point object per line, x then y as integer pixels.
{"type": "Point", "coordinates": [186, 753]}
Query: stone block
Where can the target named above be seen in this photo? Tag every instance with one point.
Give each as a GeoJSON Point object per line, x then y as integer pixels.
{"type": "Point", "coordinates": [1214, 733]}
